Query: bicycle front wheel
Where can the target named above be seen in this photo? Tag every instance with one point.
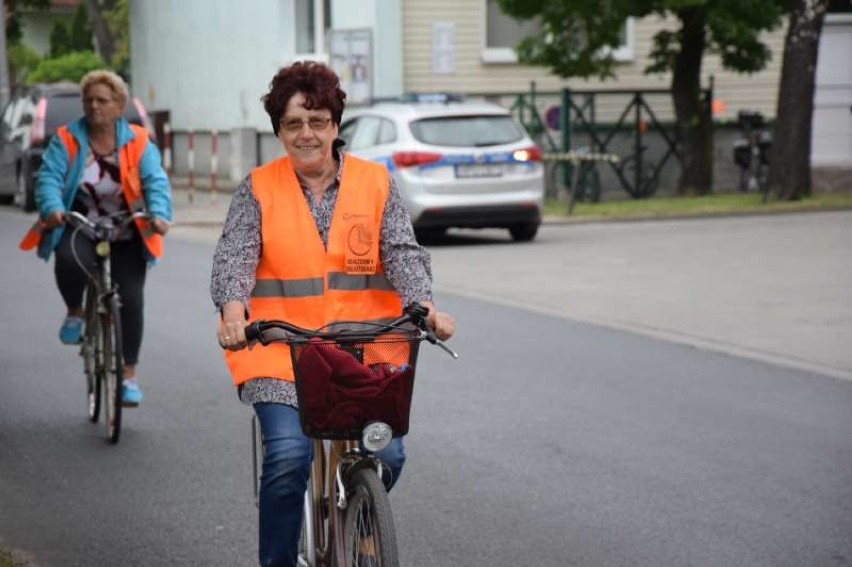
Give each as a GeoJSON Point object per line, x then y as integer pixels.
{"type": "Point", "coordinates": [369, 532]}
{"type": "Point", "coordinates": [92, 353]}
{"type": "Point", "coordinates": [113, 368]}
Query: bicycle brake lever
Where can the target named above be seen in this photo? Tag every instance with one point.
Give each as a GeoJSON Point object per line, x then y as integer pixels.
{"type": "Point", "coordinates": [447, 349]}
{"type": "Point", "coordinates": [432, 338]}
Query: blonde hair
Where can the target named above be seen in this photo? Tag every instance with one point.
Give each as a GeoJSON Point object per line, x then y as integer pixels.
{"type": "Point", "coordinates": [103, 77]}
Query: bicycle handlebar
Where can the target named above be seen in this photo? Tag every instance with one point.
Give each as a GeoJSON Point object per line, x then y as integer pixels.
{"type": "Point", "coordinates": [104, 228]}
{"type": "Point", "coordinates": [259, 331]}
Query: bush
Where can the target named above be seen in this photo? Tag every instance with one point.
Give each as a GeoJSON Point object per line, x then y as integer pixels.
{"type": "Point", "coordinates": [70, 67]}
{"type": "Point", "coordinates": [22, 61]}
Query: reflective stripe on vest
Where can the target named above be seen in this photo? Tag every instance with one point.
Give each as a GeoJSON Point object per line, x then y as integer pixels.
{"type": "Point", "coordinates": [297, 278]}
{"type": "Point", "coordinates": [314, 286]}
{"type": "Point", "coordinates": [288, 288]}
{"type": "Point", "coordinates": [342, 280]}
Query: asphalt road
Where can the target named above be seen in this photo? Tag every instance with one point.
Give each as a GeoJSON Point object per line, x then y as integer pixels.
{"type": "Point", "coordinates": [551, 442]}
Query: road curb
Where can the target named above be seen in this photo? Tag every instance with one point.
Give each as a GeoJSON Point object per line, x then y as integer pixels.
{"type": "Point", "coordinates": [557, 220]}
{"type": "Point", "coordinates": [553, 220]}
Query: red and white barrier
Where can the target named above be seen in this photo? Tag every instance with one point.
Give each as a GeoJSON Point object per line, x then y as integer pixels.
{"type": "Point", "coordinates": [167, 148]}
{"type": "Point", "coordinates": [190, 162]}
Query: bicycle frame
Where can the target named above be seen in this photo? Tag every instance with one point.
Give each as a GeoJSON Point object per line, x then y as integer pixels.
{"type": "Point", "coordinates": [102, 279]}
{"type": "Point", "coordinates": [325, 497]}
{"type": "Point", "coordinates": [325, 504]}
{"type": "Point", "coordinates": [102, 344]}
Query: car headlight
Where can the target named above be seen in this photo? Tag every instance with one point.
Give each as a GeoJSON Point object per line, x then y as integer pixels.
{"type": "Point", "coordinates": [376, 436]}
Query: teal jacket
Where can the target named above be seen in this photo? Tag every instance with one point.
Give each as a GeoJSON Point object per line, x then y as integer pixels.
{"type": "Point", "coordinates": [59, 180]}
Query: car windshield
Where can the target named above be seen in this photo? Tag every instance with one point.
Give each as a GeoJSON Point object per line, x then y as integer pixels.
{"type": "Point", "coordinates": [61, 110]}
{"type": "Point", "coordinates": [480, 130]}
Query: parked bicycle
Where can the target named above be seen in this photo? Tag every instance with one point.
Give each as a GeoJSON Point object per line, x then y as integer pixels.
{"type": "Point", "coordinates": [751, 153]}
{"type": "Point", "coordinates": [102, 353]}
{"type": "Point", "coordinates": [354, 382]}
{"type": "Point", "coordinates": [639, 174]}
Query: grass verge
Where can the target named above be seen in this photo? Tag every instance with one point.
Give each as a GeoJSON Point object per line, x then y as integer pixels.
{"type": "Point", "coordinates": [12, 559]}
{"type": "Point", "coordinates": [662, 207]}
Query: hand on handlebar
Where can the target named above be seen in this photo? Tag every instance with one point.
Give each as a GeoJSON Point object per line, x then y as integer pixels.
{"type": "Point", "coordinates": [232, 324]}
{"type": "Point", "coordinates": [159, 225]}
{"type": "Point", "coordinates": [443, 324]}
{"type": "Point", "coordinates": [54, 219]}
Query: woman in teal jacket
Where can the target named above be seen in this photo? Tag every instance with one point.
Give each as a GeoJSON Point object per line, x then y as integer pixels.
{"type": "Point", "coordinates": [87, 168]}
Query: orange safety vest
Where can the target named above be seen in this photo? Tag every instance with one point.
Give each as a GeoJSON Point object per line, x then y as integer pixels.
{"type": "Point", "coordinates": [131, 186]}
{"type": "Point", "coordinates": [297, 279]}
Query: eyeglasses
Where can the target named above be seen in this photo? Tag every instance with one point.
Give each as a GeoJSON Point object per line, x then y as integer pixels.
{"type": "Point", "coordinates": [97, 99]}
{"type": "Point", "coordinates": [294, 125]}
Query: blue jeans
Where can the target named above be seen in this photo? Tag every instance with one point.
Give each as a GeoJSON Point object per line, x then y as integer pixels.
{"type": "Point", "coordinates": [286, 467]}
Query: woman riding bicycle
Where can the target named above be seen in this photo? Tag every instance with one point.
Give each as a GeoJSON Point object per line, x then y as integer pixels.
{"type": "Point", "coordinates": [314, 237]}
{"type": "Point", "coordinates": [101, 165]}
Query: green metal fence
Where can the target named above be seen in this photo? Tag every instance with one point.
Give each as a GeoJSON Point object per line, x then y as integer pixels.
{"type": "Point", "coordinates": [636, 125]}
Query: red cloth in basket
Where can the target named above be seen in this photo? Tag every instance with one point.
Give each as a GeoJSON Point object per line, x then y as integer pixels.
{"type": "Point", "coordinates": [339, 393]}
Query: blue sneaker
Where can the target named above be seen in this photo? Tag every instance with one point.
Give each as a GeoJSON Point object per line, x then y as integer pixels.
{"type": "Point", "coordinates": [71, 331]}
{"type": "Point", "coordinates": [131, 395]}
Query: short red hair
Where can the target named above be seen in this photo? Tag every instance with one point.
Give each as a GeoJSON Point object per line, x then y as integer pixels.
{"type": "Point", "coordinates": [316, 81]}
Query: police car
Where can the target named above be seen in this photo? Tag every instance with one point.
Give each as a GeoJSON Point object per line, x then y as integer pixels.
{"type": "Point", "coordinates": [457, 163]}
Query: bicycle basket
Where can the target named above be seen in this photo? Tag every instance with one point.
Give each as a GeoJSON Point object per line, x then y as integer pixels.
{"type": "Point", "coordinates": [346, 383]}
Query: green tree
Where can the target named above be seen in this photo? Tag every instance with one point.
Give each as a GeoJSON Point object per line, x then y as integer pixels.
{"type": "Point", "coordinates": [69, 37]}
{"type": "Point", "coordinates": [104, 36]}
{"type": "Point", "coordinates": [790, 161]}
{"type": "Point", "coordinates": [60, 42]}
{"type": "Point", "coordinates": [22, 61]}
{"type": "Point", "coordinates": [14, 25]}
{"type": "Point", "coordinates": [79, 31]}
{"type": "Point", "coordinates": [578, 38]}
{"type": "Point", "coordinates": [117, 18]}
{"type": "Point", "coordinates": [69, 67]}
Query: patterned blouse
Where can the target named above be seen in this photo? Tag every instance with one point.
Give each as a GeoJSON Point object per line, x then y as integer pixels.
{"type": "Point", "coordinates": [100, 192]}
{"type": "Point", "coordinates": [406, 263]}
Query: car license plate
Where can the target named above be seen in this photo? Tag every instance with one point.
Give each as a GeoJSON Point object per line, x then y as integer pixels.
{"type": "Point", "coordinates": [479, 170]}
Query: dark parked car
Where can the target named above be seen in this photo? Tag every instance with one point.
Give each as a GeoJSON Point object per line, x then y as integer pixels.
{"type": "Point", "coordinates": [27, 124]}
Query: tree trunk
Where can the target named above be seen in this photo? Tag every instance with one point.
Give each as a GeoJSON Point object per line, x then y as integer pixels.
{"type": "Point", "coordinates": [693, 118]}
{"type": "Point", "coordinates": [790, 161]}
{"type": "Point", "coordinates": [103, 35]}
{"type": "Point", "coordinates": [5, 89]}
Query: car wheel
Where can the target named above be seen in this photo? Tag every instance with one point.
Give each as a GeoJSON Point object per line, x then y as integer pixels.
{"type": "Point", "coordinates": [429, 234]}
{"type": "Point", "coordinates": [24, 194]}
{"type": "Point", "coordinates": [523, 232]}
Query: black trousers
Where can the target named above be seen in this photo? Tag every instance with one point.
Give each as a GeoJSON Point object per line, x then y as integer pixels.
{"type": "Point", "coordinates": [129, 268]}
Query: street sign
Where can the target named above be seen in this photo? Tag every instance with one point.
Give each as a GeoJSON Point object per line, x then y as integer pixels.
{"type": "Point", "coordinates": [552, 117]}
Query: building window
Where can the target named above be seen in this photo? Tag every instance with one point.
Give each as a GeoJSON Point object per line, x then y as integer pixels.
{"type": "Point", "coordinates": [312, 21]}
{"type": "Point", "coordinates": [503, 33]}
